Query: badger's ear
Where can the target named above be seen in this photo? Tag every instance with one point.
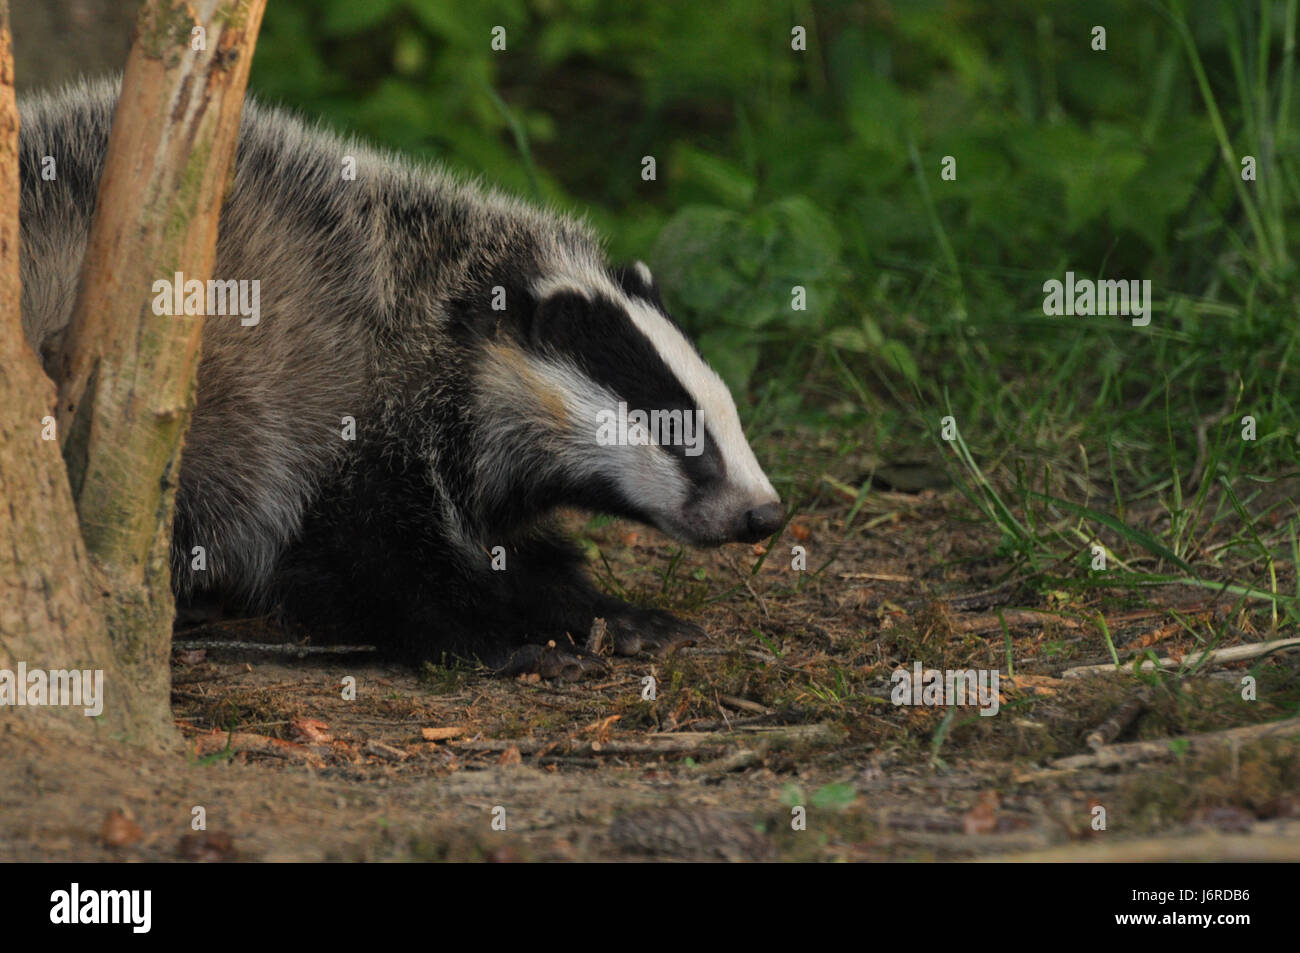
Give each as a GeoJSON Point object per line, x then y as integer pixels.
{"type": "Point", "coordinates": [635, 279]}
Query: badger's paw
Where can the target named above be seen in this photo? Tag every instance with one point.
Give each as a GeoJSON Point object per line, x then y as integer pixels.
{"type": "Point", "coordinates": [653, 631]}
{"type": "Point", "coordinates": [551, 662]}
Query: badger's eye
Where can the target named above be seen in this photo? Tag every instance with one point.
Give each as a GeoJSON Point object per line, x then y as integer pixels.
{"type": "Point", "coordinates": [704, 470]}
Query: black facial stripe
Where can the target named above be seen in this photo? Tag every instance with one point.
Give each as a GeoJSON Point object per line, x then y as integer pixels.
{"type": "Point", "coordinates": [599, 337]}
{"type": "Point", "coordinates": [705, 469]}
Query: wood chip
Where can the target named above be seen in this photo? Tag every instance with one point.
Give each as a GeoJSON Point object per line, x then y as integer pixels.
{"type": "Point", "coordinates": [388, 752]}
{"type": "Point", "coordinates": [120, 830]}
{"type": "Point", "coordinates": [443, 733]}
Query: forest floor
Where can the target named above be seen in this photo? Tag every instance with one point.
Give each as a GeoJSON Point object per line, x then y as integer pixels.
{"type": "Point", "coordinates": [778, 739]}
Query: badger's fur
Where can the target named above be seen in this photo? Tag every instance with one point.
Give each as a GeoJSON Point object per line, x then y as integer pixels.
{"type": "Point", "coordinates": [472, 424]}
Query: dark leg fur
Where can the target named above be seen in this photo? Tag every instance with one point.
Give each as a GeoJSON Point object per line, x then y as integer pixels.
{"type": "Point", "coordinates": [369, 568]}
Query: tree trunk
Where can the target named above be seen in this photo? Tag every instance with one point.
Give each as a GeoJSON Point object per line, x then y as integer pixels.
{"type": "Point", "coordinates": [48, 613]}
{"type": "Point", "coordinates": [126, 375]}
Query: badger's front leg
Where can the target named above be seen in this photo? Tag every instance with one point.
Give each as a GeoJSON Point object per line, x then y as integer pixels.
{"type": "Point", "coordinates": [519, 606]}
{"type": "Point", "coordinates": [542, 583]}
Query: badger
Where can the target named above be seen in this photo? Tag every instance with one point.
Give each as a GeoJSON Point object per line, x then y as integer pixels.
{"type": "Point", "coordinates": [382, 454]}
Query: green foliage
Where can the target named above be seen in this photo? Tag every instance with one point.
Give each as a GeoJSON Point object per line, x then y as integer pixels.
{"type": "Point", "coordinates": [821, 169]}
{"type": "Point", "coordinates": [729, 275]}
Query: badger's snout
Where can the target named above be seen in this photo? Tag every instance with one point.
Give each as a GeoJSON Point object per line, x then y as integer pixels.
{"type": "Point", "coordinates": [718, 521]}
{"type": "Point", "coordinates": [759, 523]}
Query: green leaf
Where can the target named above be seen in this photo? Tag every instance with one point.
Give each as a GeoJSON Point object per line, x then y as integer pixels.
{"type": "Point", "coordinates": [346, 17]}
{"type": "Point", "coordinates": [733, 354]}
{"type": "Point", "coordinates": [896, 355]}
{"type": "Point", "coordinates": [711, 178]}
{"type": "Point", "coordinates": [1132, 534]}
{"type": "Point", "coordinates": [834, 797]}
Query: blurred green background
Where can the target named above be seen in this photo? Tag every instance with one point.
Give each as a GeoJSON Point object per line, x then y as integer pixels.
{"type": "Point", "coordinates": [821, 169]}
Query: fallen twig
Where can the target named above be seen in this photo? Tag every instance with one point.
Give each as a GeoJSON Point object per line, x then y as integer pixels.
{"type": "Point", "coordinates": [216, 741]}
{"type": "Point", "coordinates": [1120, 719]}
{"type": "Point", "coordinates": [1015, 617]}
{"type": "Point", "coordinates": [744, 704]}
{"type": "Point", "coordinates": [878, 576]}
{"type": "Point", "coordinates": [681, 742]}
{"type": "Point", "coordinates": [272, 648]}
{"type": "Point", "coordinates": [1236, 653]}
{"type": "Point", "coordinates": [1136, 751]}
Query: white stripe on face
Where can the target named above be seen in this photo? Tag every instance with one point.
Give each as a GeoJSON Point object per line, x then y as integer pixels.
{"type": "Point", "coordinates": [536, 401]}
{"type": "Point", "coordinates": [700, 381]}
{"type": "Point", "coordinates": [710, 395]}
{"type": "Point", "coordinates": [648, 477]}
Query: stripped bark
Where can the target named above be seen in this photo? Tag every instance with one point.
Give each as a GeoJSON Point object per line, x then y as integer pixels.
{"type": "Point", "coordinates": [127, 375]}
{"type": "Point", "coordinates": [84, 574]}
{"type": "Point", "coordinates": [48, 619]}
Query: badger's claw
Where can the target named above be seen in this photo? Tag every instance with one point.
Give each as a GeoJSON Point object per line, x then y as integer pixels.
{"type": "Point", "coordinates": [653, 631]}
{"type": "Point", "coordinates": [551, 663]}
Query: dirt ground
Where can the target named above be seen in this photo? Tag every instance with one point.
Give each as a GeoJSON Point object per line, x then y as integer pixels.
{"type": "Point", "coordinates": [776, 740]}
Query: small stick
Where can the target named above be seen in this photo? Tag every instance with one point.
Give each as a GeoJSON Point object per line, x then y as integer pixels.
{"type": "Point", "coordinates": [877, 576]}
{"type": "Point", "coordinates": [983, 623]}
{"type": "Point", "coordinates": [681, 742]}
{"type": "Point", "coordinates": [1120, 719]}
{"type": "Point", "coordinates": [744, 704]}
{"type": "Point", "coordinates": [1137, 751]}
{"type": "Point", "coordinates": [272, 648]}
{"type": "Point", "coordinates": [1236, 653]}
{"type": "Point", "coordinates": [736, 761]}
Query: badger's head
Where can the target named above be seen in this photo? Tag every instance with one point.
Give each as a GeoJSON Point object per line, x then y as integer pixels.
{"type": "Point", "coordinates": [590, 395]}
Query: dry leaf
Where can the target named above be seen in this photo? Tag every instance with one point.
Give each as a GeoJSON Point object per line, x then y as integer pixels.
{"type": "Point", "coordinates": [205, 846]}
{"type": "Point", "coordinates": [311, 730]}
{"type": "Point", "coordinates": [119, 830]}
{"type": "Point", "coordinates": [982, 818]}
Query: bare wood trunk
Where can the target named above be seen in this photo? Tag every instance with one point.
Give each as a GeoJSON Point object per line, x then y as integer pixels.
{"type": "Point", "coordinates": [48, 613]}
{"type": "Point", "coordinates": [127, 374]}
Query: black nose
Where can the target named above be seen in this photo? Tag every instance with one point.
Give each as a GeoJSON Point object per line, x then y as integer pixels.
{"type": "Point", "coordinates": [763, 521]}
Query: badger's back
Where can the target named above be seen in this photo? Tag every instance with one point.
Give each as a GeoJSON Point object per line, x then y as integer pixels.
{"type": "Point", "coordinates": [356, 276]}
{"type": "Point", "coordinates": [266, 428]}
